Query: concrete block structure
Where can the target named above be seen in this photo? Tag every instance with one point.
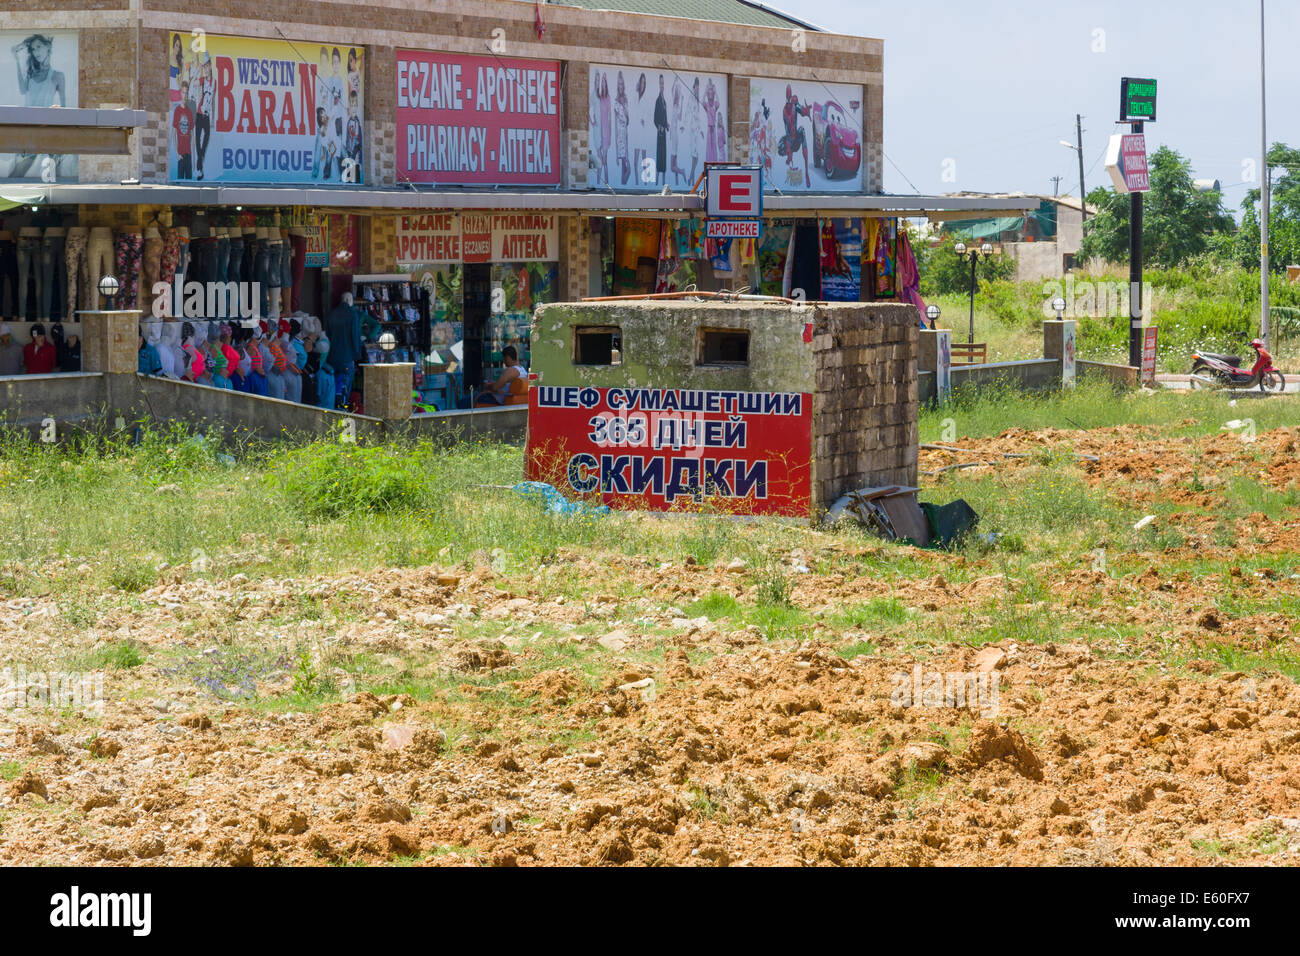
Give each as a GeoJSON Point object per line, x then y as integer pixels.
{"type": "Point", "coordinates": [743, 407]}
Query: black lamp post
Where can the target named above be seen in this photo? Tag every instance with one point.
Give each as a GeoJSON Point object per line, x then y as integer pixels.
{"type": "Point", "coordinates": [984, 251]}
{"type": "Point", "coordinates": [932, 313]}
{"type": "Point", "coordinates": [108, 288]}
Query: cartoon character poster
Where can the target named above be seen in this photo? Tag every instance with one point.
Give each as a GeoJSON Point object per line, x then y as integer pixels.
{"type": "Point", "coordinates": [806, 135]}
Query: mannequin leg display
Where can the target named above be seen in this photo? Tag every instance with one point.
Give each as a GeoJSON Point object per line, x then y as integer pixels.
{"type": "Point", "coordinates": [130, 246]}
{"type": "Point", "coordinates": [225, 308]}
{"type": "Point", "coordinates": [261, 275]}
{"type": "Point", "coordinates": [8, 277]}
{"type": "Point", "coordinates": [298, 267]}
{"type": "Point", "coordinates": [274, 249]}
{"type": "Point", "coordinates": [54, 275]}
{"type": "Point", "coordinates": [74, 255]}
{"type": "Point", "coordinates": [286, 277]}
{"type": "Point", "coordinates": [151, 267]}
{"type": "Point", "coordinates": [29, 254]}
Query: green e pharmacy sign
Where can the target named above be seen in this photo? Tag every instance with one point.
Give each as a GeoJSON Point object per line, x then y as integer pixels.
{"type": "Point", "coordinates": [1137, 100]}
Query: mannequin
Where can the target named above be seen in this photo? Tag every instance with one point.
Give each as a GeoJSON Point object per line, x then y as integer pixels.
{"type": "Point", "coordinates": [129, 247]}
{"type": "Point", "coordinates": [222, 264]}
{"type": "Point", "coordinates": [74, 259]}
{"type": "Point", "coordinates": [295, 264]}
{"type": "Point", "coordinates": [261, 274]}
{"type": "Point", "coordinates": [29, 259]}
{"type": "Point", "coordinates": [151, 264]}
{"type": "Point", "coordinates": [183, 262]}
{"type": "Point", "coordinates": [8, 274]}
{"type": "Point", "coordinates": [274, 271]}
{"type": "Point", "coordinates": [54, 273]}
{"type": "Point", "coordinates": [248, 270]}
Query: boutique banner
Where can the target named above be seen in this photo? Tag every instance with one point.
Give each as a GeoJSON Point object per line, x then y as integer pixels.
{"type": "Point", "coordinates": [477, 120]}
{"type": "Point", "coordinates": [265, 111]}
{"type": "Point", "coordinates": [43, 72]}
{"type": "Point", "coordinates": [674, 449]}
{"type": "Point", "coordinates": [806, 135]}
{"type": "Point", "coordinates": [477, 237]}
{"type": "Point", "coordinates": [654, 128]}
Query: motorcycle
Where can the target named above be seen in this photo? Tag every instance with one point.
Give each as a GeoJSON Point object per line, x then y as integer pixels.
{"type": "Point", "coordinates": [1213, 371]}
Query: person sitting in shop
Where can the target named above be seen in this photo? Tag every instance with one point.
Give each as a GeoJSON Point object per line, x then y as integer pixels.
{"type": "Point", "coordinates": [498, 393]}
{"type": "Point", "coordinates": [68, 352]}
{"type": "Point", "coordinates": [11, 353]}
{"type": "Point", "coordinates": [148, 361]}
{"type": "Point", "coordinates": [38, 355]}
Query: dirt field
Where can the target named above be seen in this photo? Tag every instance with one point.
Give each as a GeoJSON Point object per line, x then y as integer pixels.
{"type": "Point", "coordinates": [1127, 705]}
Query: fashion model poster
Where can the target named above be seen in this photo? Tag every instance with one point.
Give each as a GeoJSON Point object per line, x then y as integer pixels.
{"type": "Point", "coordinates": [654, 128]}
{"type": "Point", "coordinates": [42, 71]}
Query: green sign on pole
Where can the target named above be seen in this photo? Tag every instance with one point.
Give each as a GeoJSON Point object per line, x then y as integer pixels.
{"type": "Point", "coordinates": [1137, 100]}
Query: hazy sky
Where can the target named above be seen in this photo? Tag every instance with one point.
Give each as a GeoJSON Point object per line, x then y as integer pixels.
{"type": "Point", "coordinates": [995, 85]}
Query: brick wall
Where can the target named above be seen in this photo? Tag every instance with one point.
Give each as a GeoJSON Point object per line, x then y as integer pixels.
{"type": "Point", "coordinates": [865, 406]}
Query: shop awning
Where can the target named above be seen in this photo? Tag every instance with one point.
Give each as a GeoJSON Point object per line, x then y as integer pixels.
{"type": "Point", "coordinates": [586, 201]}
{"type": "Point", "coordinates": [35, 129]}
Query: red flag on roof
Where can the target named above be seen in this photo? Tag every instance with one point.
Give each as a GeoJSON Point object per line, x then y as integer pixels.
{"type": "Point", "coordinates": [539, 25]}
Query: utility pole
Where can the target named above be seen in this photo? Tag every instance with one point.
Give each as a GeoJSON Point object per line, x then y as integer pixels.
{"type": "Point", "coordinates": [1265, 198]}
{"type": "Point", "coordinates": [1056, 185]}
{"type": "Point", "coordinates": [1135, 274]}
{"type": "Point", "coordinates": [1083, 195]}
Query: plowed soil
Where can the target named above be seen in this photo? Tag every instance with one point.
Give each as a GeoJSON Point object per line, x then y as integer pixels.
{"type": "Point", "coordinates": [511, 732]}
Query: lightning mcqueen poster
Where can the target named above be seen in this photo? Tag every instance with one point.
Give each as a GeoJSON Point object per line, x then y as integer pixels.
{"type": "Point", "coordinates": [674, 449]}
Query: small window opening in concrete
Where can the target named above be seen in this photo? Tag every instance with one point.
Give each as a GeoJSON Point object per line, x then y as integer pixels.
{"type": "Point", "coordinates": [723, 347]}
{"type": "Point", "coordinates": [598, 345]}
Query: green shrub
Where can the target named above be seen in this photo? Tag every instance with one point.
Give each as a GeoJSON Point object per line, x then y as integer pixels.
{"type": "Point", "coordinates": [327, 479]}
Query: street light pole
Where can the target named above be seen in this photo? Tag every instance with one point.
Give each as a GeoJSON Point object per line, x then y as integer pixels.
{"type": "Point", "coordinates": [974, 258]}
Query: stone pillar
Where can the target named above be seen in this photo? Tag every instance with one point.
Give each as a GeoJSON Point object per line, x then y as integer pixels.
{"type": "Point", "coordinates": [110, 341]}
{"type": "Point", "coordinates": [388, 390]}
{"type": "Point", "coordinates": [1058, 343]}
{"type": "Point", "coordinates": [935, 356]}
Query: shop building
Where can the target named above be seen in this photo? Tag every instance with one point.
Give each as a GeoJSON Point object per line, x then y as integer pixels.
{"type": "Point", "coordinates": [451, 164]}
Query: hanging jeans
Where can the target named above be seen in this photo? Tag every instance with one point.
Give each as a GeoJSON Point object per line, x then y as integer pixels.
{"type": "Point", "coordinates": [204, 270]}
{"type": "Point", "coordinates": [29, 255]}
{"type": "Point", "coordinates": [273, 280]}
{"type": "Point", "coordinates": [74, 255]}
{"type": "Point", "coordinates": [53, 272]}
{"type": "Point", "coordinates": [225, 308]}
{"type": "Point", "coordinates": [183, 260]}
{"type": "Point", "coordinates": [248, 270]}
{"type": "Point", "coordinates": [99, 262]}
{"type": "Point", "coordinates": [297, 267]}
{"type": "Point", "coordinates": [275, 384]}
{"type": "Point", "coordinates": [256, 383]}
{"type": "Point", "coordinates": [151, 269]}
{"type": "Point", "coordinates": [8, 278]}
{"type": "Point", "coordinates": [262, 276]}
{"type": "Point", "coordinates": [171, 257]}
{"type": "Point", "coordinates": [130, 247]}
{"type": "Point", "coordinates": [235, 263]}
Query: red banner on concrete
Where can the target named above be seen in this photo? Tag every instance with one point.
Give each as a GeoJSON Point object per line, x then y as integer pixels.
{"type": "Point", "coordinates": [477, 120]}
{"type": "Point", "coordinates": [674, 449]}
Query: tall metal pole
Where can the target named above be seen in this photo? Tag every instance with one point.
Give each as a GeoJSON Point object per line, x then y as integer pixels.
{"type": "Point", "coordinates": [974, 258]}
{"type": "Point", "coordinates": [1135, 274]}
{"type": "Point", "coordinates": [1265, 200]}
{"type": "Point", "coordinates": [1083, 195]}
